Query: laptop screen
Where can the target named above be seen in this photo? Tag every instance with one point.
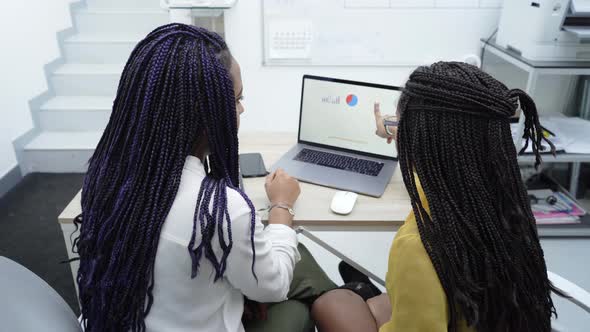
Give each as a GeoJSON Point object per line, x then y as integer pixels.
{"type": "Point", "coordinates": [338, 113]}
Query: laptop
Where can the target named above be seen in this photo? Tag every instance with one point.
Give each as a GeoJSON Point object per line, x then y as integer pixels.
{"type": "Point", "coordinates": [336, 144]}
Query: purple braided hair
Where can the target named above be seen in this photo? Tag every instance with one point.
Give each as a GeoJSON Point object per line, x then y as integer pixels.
{"type": "Point", "coordinates": [175, 89]}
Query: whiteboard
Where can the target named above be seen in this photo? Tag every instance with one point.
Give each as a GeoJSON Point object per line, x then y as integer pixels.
{"type": "Point", "coordinates": [374, 32]}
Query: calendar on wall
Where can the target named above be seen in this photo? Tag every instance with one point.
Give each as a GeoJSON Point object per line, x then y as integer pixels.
{"type": "Point", "coordinates": [374, 32]}
{"type": "Point", "coordinates": [290, 39]}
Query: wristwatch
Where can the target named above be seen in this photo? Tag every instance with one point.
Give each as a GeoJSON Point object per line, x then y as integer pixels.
{"type": "Point", "coordinates": [283, 206]}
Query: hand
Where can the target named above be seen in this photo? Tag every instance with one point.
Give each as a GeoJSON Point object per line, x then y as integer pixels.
{"type": "Point", "coordinates": [380, 307]}
{"type": "Point", "coordinates": [380, 131]}
{"type": "Point", "coordinates": [282, 188]}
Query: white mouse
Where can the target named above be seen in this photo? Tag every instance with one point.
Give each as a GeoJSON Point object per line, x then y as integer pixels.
{"type": "Point", "coordinates": [343, 202]}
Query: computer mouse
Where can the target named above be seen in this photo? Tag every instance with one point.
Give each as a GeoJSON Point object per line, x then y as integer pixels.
{"type": "Point", "coordinates": [343, 202]}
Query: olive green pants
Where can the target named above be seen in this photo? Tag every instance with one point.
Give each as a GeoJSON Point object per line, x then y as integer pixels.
{"type": "Point", "coordinates": [293, 315]}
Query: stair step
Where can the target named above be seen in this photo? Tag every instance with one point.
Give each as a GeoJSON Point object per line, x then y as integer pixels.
{"type": "Point", "coordinates": [100, 49]}
{"type": "Point", "coordinates": [105, 46]}
{"type": "Point", "coordinates": [123, 4]}
{"type": "Point", "coordinates": [105, 38]}
{"type": "Point", "coordinates": [71, 123]}
{"type": "Point", "coordinates": [75, 103]}
{"type": "Point", "coordinates": [64, 141]}
{"type": "Point", "coordinates": [60, 152]}
{"type": "Point", "coordinates": [79, 79]}
{"type": "Point", "coordinates": [117, 21]}
{"type": "Point", "coordinates": [75, 113]}
{"type": "Point", "coordinates": [89, 69]}
{"type": "Point", "coordinates": [123, 11]}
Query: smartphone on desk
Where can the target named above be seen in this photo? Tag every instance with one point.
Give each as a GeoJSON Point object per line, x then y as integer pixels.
{"type": "Point", "coordinates": [252, 165]}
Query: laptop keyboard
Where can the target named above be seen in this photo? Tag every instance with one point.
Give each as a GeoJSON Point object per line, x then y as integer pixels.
{"type": "Point", "coordinates": [334, 160]}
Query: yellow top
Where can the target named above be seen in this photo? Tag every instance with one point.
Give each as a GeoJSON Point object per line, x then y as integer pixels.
{"type": "Point", "coordinates": [417, 298]}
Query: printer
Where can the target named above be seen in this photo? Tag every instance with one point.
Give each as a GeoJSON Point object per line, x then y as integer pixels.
{"type": "Point", "coordinates": [546, 30]}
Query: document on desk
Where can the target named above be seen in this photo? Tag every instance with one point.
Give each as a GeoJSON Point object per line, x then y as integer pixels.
{"type": "Point", "coordinates": [563, 211]}
{"type": "Point", "coordinates": [573, 132]}
{"type": "Point", "coordinates": [556, 139]}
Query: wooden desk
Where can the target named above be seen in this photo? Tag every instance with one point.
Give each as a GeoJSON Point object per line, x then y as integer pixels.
{"type": "Point", "coordinates": [365, 235]}
{"type": "Point", "coordinates": [313, 206]}
{"type": "Point", "coordinates": [383, 215]}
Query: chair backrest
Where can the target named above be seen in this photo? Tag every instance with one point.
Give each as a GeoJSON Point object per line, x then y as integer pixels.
{"type": "Point", "coordinates": [27, 303]}
{"type": "Point", "coordinates": [577, 295]}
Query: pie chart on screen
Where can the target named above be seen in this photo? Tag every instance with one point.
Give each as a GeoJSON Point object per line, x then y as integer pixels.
{"type": "Point", "coordinates": [352, 100]}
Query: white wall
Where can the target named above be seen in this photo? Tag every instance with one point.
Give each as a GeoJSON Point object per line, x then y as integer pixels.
{"type": "Point", "coordinates": [273, 93]}
{"type": "Point", "coordinates": [27, 36]}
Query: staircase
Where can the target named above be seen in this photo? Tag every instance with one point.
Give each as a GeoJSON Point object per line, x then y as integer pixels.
{"type": "Point", "coordinates": [69, 118]}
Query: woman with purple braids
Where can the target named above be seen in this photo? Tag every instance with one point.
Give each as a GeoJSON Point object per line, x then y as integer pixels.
{"type": "Point", "coordinates": [168, 242]}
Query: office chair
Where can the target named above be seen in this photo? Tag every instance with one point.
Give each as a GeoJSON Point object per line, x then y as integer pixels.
{"type": "Point", "coordinates": [27, 303]}
{"type": "Point", "coordinates": [578, 296]}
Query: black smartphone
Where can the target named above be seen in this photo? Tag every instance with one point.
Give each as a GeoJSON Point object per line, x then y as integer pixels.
{"type": "Point", "coordinates": [252, 165]}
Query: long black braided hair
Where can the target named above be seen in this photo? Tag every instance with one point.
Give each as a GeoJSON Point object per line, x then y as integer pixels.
{"type": "Point", "coordinates": [175, 91]}
{"type": "Point", "coordinates": [454, 134]}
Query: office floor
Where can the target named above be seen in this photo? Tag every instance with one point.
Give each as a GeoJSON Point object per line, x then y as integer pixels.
{"type": "Point", "coordinates": [29, 232]}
